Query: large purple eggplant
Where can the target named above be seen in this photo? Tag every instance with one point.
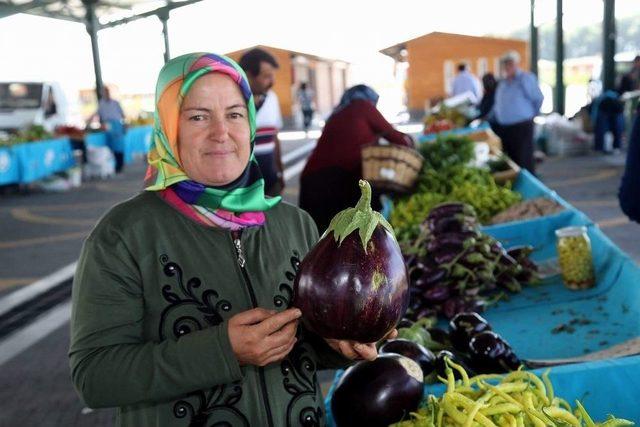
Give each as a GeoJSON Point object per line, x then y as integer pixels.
{"type": "Point", "coordinates": [377, 393]}
{"type": "Point", "coordinates": [353, 284]}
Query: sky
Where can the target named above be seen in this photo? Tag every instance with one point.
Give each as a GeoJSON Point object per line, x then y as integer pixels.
{"type": "Point", "coordinates": [35, 48]}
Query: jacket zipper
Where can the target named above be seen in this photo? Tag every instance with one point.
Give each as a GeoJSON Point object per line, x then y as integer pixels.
{"type": "Point", "coordinates": [242, 262]}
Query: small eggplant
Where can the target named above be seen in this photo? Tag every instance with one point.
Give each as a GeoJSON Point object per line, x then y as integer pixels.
{"type": "Point", "coordinates": [450, 224]}
{"type": "Point", "coordinates": [426, 312]}
{"type": "Point", "coordinates": [519, 252]}
{"type": "Point", "coordinates": [445, 256]}
{"type": "Point", "coordinates": [506, 281]}
{"type": "Point", "coordinates": [414, 351]}
{"type": "Point", "coordinates": [438, 293]}
{"type": "Point", "coordinates": [455, 305]}
{"type": "Point", "coordinates": [440, 336]}
{"type": "Point", "coordinates": [492, 354]}
{"type": "Point", "coordinates": [461, 240]}
{"type": "Point", "coordinates": [404, 323]}
{"type": "Point", "coordinates": [441, 365]}
{"type": "Point", "coordinates": [448, 209]}
{"type": "Point", "coordinates": [431, 279]}
{"type": "Point", "coordinates": [465, 326]}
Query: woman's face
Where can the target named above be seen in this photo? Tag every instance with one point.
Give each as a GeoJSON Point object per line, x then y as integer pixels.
{"type": "Point", "coordinates": [213, 131]}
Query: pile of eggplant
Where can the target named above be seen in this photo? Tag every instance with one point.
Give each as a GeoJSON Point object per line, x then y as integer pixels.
{"type": "Point", "coordinates": [470, 342]}
{"type": "Point", "coordinates": [454, 267]}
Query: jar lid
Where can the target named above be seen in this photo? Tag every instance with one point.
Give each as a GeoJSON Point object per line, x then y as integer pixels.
{"type": "Point", "coordinates": [573, 231]}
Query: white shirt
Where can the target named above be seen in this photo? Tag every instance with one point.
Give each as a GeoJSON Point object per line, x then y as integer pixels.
{"type": "Point", "coordinates": [268, 122]}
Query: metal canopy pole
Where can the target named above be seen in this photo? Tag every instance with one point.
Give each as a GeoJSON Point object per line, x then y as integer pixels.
{"type": "Point", "coordinates": [609, 45]}
{"type": "Point", "coordinates": [163, 15]}
{"type": "Point", "coordinates": [559, 92]}
{"type": "Point", "coordinates": [533, 40]}
{"type": "Point", "coordinates": [93, 26]}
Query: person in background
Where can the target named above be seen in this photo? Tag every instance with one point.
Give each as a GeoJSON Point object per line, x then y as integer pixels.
{"type": "Point", "coordinates": [112, 120]}
{"type": "Point", "coordinates": [489, 83]}
{"type": "Point", "coordinates": [629, 193]}
{"type": "Point", "coordinates": [260, 67]}
{"type": "Point", "coordinates": [305, 98]}
{"type": "Point", "coordinates": [517, 101]}
{"type": "Point", "coordinates": [465, 82]}
{"type": "Point", "coordinates": [329, 181]}
{"type": "Point", "coordinates": [607, 115]}
{"type": "Point", "coordinates": [631, 80]}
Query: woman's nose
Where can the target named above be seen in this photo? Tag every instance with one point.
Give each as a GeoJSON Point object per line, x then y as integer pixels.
{"type": "Point", "coordinates": [218, 129]}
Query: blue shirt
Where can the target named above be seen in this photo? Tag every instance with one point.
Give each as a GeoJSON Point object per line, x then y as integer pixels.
{"type": "Point", "coordinates": [109, 110]}
{"type": "Point", "coordinates": [517, 100]}
{"type": "Point", "coordinates": [466, 82]}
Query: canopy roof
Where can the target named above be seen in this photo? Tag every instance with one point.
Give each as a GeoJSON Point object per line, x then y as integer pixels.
{"type": "Point", "coordinates": [109, 12]}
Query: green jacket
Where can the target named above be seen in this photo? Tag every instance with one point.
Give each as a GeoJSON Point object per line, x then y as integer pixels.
{"type": "Point", "coordinates": [152, 295]}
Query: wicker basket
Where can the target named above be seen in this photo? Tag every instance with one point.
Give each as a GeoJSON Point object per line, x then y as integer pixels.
{"type": "Point", "coordinates": [391, 167]}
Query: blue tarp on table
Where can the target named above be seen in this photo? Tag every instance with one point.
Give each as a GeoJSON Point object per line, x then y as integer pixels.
{"type": "Point", "coordinates": [96, 139]}
{"type": "Point", "coordinates": [9, 169]}
{"type": "Point", "coordinates": [40, 159]}
{"type": "Point", "coordinates": [599, 318]}
{"type": "Point", "coordinates": [137, 142]}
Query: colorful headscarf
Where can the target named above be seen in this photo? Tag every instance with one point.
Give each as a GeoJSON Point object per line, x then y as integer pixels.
{"type": "Point", "coordinates": [176, 78]}
{"type": "Point", "coordinates": [357, 92]}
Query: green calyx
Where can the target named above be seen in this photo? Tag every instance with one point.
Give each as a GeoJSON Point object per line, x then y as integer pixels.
{"type": "Point", "coordinates": [361, 218]}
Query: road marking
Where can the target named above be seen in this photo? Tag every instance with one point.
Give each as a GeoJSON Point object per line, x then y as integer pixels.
{"type": "Point", "coordinates": [16, 298]}
{"type": "Point", "coordinates": [64, 207]}
{"type": "Point", "coordinates": [17, 281]}
{"type": "Point", "coordinates": [44, 240]}
{"type": "Point", "coordinates": [25, 337]}
{"type": "Point", "coordinates": [23, 214]}
{"type": "Point", "coordinates": [600, 176]}
{"type": "Point", "coordinates": [614, 222]}
{"type": "Point", "coordinates": [298, 152]}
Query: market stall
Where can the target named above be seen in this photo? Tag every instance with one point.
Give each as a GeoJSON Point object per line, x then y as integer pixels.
{"type": "Point", "coordinates": [580, 335]}
{"type": "Point", "coordinates": [28, 158]}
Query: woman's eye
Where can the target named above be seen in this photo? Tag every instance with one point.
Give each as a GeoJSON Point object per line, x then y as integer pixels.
{"type": "Point", "coordinates": [236, 115]}
{"type": "Point", "coordinates": [197, 117]}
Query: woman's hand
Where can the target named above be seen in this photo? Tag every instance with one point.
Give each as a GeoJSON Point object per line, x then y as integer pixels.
{"type": "Point", "coordinates": [260, 337]}
{"type": "Point", "coordinates": [358, 351]}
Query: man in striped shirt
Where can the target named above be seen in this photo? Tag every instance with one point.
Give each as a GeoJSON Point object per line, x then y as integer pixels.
{"type": "Point", "coordinates": [260, 67]}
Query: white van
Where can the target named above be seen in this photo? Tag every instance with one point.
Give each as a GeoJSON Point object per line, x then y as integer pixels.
{"type": "Point", "coordinates": [23, 104]}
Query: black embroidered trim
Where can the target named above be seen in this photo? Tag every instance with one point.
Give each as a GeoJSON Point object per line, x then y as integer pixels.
{"type": "Point", "coordinates": [300, 381]}
{"type": "Point", "coordinates": [220, 399]}
{"type": "Point", "coordinates": [286, 290]}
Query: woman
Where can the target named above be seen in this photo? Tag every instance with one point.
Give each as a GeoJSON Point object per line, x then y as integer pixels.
{"type": "Point", "coordinates": [329, 182]}
{"type": "Point", "coordinates": [489, 84]}
{"type": "Point", "coordinates": [180, 295]}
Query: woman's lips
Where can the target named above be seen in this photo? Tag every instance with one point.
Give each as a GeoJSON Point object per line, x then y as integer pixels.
{"type": "Point", "coordinates": [218, 153]}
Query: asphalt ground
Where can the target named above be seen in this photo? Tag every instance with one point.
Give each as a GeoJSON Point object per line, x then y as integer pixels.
{"type": "Point", "coordinates": [42, 232]}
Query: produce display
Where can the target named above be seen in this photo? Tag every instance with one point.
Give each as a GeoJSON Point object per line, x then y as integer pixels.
{"type": "Point", "coordinates": [32, 133]}
{"type": "Point", "coordinates": [528, 209]}
{"type": "Point", "coordinates": [447, 151]}
{"type": "Point", "coordinates": [444, 119]}
{"type": "Point", "coordinates": [453, 267]}
{"type": "Point", "coordinates": [353, 284]}
{"type": "Point", "coordinates": [446, 177]}
{"type": "Point", "coordinates": [377, 393]}
{"type": "Point", "coordinates": [470, 342]}
{"type": "Point", "coordinates": [575, 258]}
{"type": "Point", "coordinates": [517, 399]}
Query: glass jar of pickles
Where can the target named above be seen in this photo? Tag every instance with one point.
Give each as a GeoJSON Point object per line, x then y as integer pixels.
{"type": "Point", "coordinates": [574, 257]}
